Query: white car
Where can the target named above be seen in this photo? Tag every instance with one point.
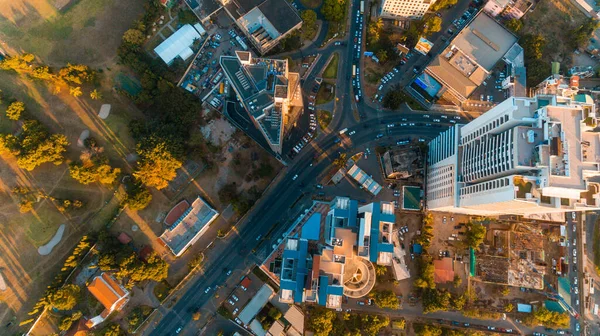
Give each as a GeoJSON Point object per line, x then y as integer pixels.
{"type": "Point", "coordinates": [574, 215]}
{"type": "Point", "coordinates": [295, 177]}
{"type": "Point", "coordinates": [426, 116]}
{"type": "Point", "coordinates": [207, 290]}
{"type": "Point", "coordinates": [352, 133]}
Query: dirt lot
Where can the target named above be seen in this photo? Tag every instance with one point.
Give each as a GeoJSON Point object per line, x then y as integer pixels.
{"type": "Point", "coordinates": [554, 19]}
{"type": "Point", "coordinates": [71, 35]}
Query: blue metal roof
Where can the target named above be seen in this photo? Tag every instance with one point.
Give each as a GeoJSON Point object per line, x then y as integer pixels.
{"type": "Point", "coordinates": [386, 247]}
{"type": "Point", "coordinates": [353, 210]}
{"type": "Point", "coordinates": [323, 284]}
{"type": "Point", "coordinates": [417, 248]}
{"type": "Point", "coordinates": [335, 290]}
{"type": "Point", "coordinates": [312, 228]}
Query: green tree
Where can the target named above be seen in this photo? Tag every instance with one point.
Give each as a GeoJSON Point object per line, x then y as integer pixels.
{"type": "Point", "coordinates": [157, 166]}
{"type": "Point", "coordinates": [385, 299]}
{"type": "Point", "coordinates": [441, 4]}
{"type": "Point", "coordinates": [320, 321]}
{"type": "Point", "coordinates": [95, 95]}
{"type": "Point", "coordinates": [65, 298]}
{"type": "Point", "coordinates": [372, 324]}
{"type": "Point", "coordinates": [581, 35]}
{"type": "Point", "coordinates": [457, 280]}
{"type": "Point", "coordinates": [427, 330]}
{"type": "Point", "coordinates": [75, 91]}
{"type": "Point", "coordinates": [514, 25]}
{"type": "Point", "coordinates": [432, 24]}
{"type": "Point", "coordinates": [435, 300]}
{"type": "Point", "coordinates": [138, 198]}
{"type": "Point", "coordinates": [14, 110]}
{"type": "Point", "coordinates": [187, 16]}
{"type": "Point", "coordinates": [475, 234]}
{"type": "Point", "coordinates": [533, 46]}
{"type": "Point", "coordinates": [458, 302]}
{"type": "Point", "coordinates": [333, 10]}
{"type": "Point", "coordinates": [382, 55]}
{"type": "Point", "coordinates": [374, 29]}
{"type": "Point", "coordinates": [426, 276]}
{"type": "Point", "coordinates": [67, 321]}
{"type": "Point", "coordinates": [381, 270]}
{"type": "Point", "coordinates": [134, 37]}
{"type": "Point", "coordinates": [112, 329]}
{"type": "Point", "coordinates": [309, 26]}
{"type": "Point", "coordinates": [509, 308]}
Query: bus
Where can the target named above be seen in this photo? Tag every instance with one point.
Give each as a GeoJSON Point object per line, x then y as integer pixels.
{"type": "Point", "coordinates": [362, 6]}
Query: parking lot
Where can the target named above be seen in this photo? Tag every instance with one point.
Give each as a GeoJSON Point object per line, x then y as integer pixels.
{"type": "Point", "coordinates": [205, 75]}
{"type": "Point", "coordinates": [242, 294]}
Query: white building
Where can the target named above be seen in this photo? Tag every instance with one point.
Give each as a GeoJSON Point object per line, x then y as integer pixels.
{"type": "Point", "coordinates": [179, 44]}
{"type": "Point", "coordinates": [524, 156]}
{"type": "Point", "coordinates": [407, 9]}
{"type": "Point", "coordinates": [509, 9]}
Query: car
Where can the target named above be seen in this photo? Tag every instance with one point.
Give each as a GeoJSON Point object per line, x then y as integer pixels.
{"type": "Point", "coordinates": [231, 302]}
{"type": "Point", "coordinates": [236, 310]}
{"type": "Point", "coordinates": [319, 186]}
{"type": "Point", "coordinates": [178, 330]}
{"type": "Point", "coordinates": [415, 70]}
{"type": "Point", "coordinates": [207, 290]}
{"type": "Point", "coordinates": [238, 321]}
{"type": "Point", "coordinates": [295, 177]}
{"type": "Point", "coordinates": [574, 227]}
{"type": "Point", "coordinates": [360, 303]}
{"type": "Point", "coordinates": [380, 87]}
{"type": "Point", "coordinates": [403, 124]}
{"type": "Point", "coordinates": [390, 125]}
{"type": "Point", "coordinates": [576, 326]}
{"type": "Point", "coordinates": [352, 133]}
{"type": "Point", "coordinates": [561, 332]}
{"type": "Point", "coordinates": [576, 291]}
{"type": "Point", "coordinates": [425, 115]}
{"type": "Point", "coordinates": [575, 281]}
{"type": "Point", "coordinates": [574, 215]}
{"type": "Point", "coordinates": [228, 273]}
{"type": "Point", "coordinates": [574, 252]}
{"type": "Point", "coordinates": [457, 117]}
{"type": "Point", "coordinates": [379, 136]}
{"type": "Point", "coordinates": [452, 121]}
{"type": "Point", "coordinates": [436, 120]}
{"type": "Point", "coordinates": [396, 70]}
{"type": "Point", "coordinates": [444, 116]}
{"type": "Point", "coordinates": [411, 124]}
{"type": "Point", "coordinates": [338, 43]}
{"type": "Point", "coordinates": [258, 238]}
{"type": "Point", "coordinates": [235, 298]}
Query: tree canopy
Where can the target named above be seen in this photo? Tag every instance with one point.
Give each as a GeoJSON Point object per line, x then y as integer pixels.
{"type": "Point", "coordinates": [475, 234]}
{"type": "Point", "coordinates": [65, 298]}
{"type": "Point", "coordinates": [134, 37]}
{"type": "Point", "coordinates": [309, 26]}
{"type": "Point", "coordinates": [385, 299]}
{"type": "Point", "coordinates": [93, 166]}
{"type": "Point", "coordinates": [34, 146]}
{"type": "Point", "coordinates": [157, 165]}
{"type": "Point", "coordinates": [514, 25]}
{"type": "Point", "coordinates": [333, 10]}
{"type": "Point", "coordinates": [321, 321]}
{"type": "Point", "coordinates": [14, 110]}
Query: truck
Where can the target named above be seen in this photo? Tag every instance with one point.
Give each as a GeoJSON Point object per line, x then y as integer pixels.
{"type": "Point", "coordinates": [221, 88]}
{"type": "Point", "coordinates": [362, 7]}
{"type": "Point", "coordinates": [344, 131]}
{"type": "Point", "coordinates": [353, 70]}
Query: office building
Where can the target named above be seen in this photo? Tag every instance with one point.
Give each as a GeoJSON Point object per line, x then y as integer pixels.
{"type": "Point", "coordinates": [333, 252]}
{"type": "Point", "coordinates": [264, 22]}
{"type": "Point", "coordinates": [266, 89]}
{"type": "Point", "coordinates": [524, 156]}
{"type": "Point", "coordinates": [508, 9]}
{"type": "Point", "coordinates": [406, 9]}
{"type": "Point", "coordinates": [466, 63]}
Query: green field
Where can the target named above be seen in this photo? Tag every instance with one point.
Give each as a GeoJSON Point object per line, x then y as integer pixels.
{"type": "Point", "coordinates": [41, 224]}
{"type": "Point", "coordinates": [332, 67]}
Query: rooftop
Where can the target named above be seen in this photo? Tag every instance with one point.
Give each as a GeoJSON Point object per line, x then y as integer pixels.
{"type": "Point", "coordinates": [443, 270]}
{"type": "Point", "coordinates": [255, 305]}
{"type": "Point", "coordinates": [106, 289]}
{"type": "Point", "coordinates": [189, 227]}
{"type": "Point", "coordinates": [178, 44]}
{"type": "Point", "coordinates": [279, 13]}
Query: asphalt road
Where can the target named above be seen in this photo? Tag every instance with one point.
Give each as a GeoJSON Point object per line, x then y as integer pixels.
{"type": "Point", "coordinates": [276, 210]}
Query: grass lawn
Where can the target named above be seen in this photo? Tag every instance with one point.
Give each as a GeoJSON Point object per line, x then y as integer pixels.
{"type": "Point", "coordinates": [312, 4]}
{"type": "Point", "coordinates": [161, 290]}
{"type": "Point", "coordinates": [71, 35]}
{"type": "Point", "coordinates": [324, 118]}
{"type": "Point", "coordinates": [41, 224]}
{"type": "Point", "coordinates": [332, 67]}
{"type": "Point", "coordinates": [326, 93]}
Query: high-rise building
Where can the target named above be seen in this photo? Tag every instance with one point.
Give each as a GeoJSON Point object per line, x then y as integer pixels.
{"type": "Point", "coordinates": [267, 90]}
{"type": "Point", "coordinates": [409, 9]}
{"type": "Point", "coordinates": [524, 156]}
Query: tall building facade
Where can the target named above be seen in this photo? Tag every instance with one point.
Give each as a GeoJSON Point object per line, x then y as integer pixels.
{"type": "Point", "coordinates": [408, 9]}
{"type": "Point", "coordinates": [524, 156]}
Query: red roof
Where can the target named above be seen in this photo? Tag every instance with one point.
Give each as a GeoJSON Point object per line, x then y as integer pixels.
{"type": "Point", "coordinates": [176, 212]}
{"type": "Point", "coordinates": [246, 282]}
{"type": "Point", "coordinates": [443, 270]}
{"type": "Point", "coordinates": [106, 290]}
{"type": "Point", "coordinates": [124, 238]}
{"type": "Point", "coordinates": [145, 252]}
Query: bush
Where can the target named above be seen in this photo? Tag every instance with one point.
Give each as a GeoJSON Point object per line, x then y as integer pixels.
{"type": "Point", "coordinates": [385, 299]}
{"type": "Point", "coordinates": [138, 197]}
{"type": "Point", "coordinates": [14, 110]}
